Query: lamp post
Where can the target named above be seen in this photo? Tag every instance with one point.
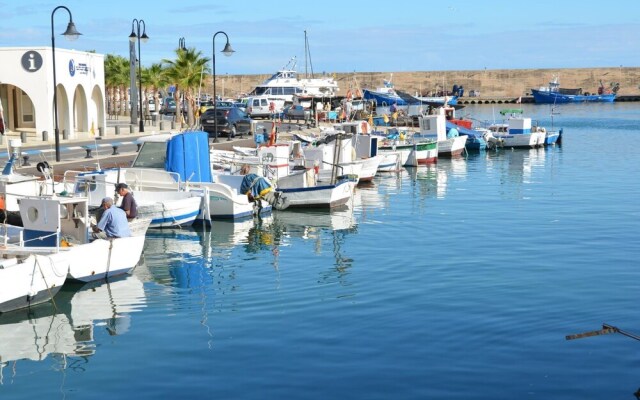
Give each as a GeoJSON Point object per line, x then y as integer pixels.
{"type": "Point", "coordinates": [135, 34]}
{"type": "Point", "coordinates": [71, 34]}
{"type": "Point", "coordinates": [228, 51]}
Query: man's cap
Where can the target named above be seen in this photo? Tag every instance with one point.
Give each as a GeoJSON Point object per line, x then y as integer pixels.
{"type": "Point", "coordinates": [121, 186]}
{"type": "Point", "coordinates": [107, 200]}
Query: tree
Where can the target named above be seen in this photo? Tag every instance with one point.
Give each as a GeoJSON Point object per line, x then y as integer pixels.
{"type": "Point", "coordinates": [116, 76]}
{"type": "Point", "coordinates": [155, 77]}
{"type": "Point", "coordinates": [185, 73]}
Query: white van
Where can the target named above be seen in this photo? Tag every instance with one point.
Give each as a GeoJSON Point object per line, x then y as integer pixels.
{"type": "Point", "coordinates": [258, 106]}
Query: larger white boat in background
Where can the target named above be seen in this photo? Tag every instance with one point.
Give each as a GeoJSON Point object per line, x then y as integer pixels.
{"type": "Point", "coordinates": [286, 83]}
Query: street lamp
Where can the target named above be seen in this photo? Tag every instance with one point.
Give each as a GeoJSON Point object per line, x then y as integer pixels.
{"type": "Point", "coordinates": [135, 34]}
{"type": "Point", "coordinates": [228, 51]}
{"type": "Point", "coordinates": [71, 34]}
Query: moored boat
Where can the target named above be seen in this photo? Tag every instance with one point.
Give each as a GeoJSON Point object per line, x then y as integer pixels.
{"type": "Point", "coordinates": [516, 131]}
{"type": "Point", "coordinates": [55, 244]}
{"type": "Point", "coordinates": [451, 143]}
{"type": "Point", "coordinates": [411, 153]}
{"type": "Point", "coordinates": [554, 94]}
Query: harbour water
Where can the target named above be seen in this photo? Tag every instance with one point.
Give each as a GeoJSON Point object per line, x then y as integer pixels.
{"type": "Point", "coordinates": [454, 281]}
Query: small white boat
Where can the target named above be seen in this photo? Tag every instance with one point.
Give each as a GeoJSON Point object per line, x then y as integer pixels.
{"type": "Point", "coordinates": [301, 189]}
{"type": "Point", "coordinates": [434, 127]}
{"type": "Point", "coordinates": [411, 153]}
{"type": "Point", "coordinates": [516, 131]}
{"type": "Point", "coordinates": [54, 244]}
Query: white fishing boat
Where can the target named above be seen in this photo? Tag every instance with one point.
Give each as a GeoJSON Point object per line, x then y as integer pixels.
{"type": "Point", "coordinates": [185, 158]}
{"type": "Point", "coordinates": [158, 194]}
{"type": "Point", "coordinates": [55, 244]}
{"type": "Point", "coordinates": [434, 126]}
{"type": "Point", "coordinates": [516, 131]}
{"type": "Point", "coordinates": [301, 189]}
{"type": "Point", "coordinates": [365, 147]}
{"type": "Point", "coordinates": [409, 152]}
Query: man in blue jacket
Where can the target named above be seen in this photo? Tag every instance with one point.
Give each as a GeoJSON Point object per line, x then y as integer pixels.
{"type": "Point", "coordinates": [113, 223]}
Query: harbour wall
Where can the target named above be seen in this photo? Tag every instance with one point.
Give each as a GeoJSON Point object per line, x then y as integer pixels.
{"type": "Point", "coordinates": [492, 85]}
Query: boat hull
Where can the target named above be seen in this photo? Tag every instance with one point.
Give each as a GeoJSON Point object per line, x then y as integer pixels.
{"type": "Point", "coordinates": [300, 194]}
{"type": "Point", "coordinates": [523, 140]}
{"type": "Point", "coordinates": [33, 280]}
{"type": "Point", "coordinates": [414, 154]}
{"type": "Point", "coordinates": [452, 147]}
{"type": "Point", "coordinates": [171, 213]}
{"type": "Point", "coordinates": [548, 97]}
{"type": "Point", "coordinates": [389, 162]}
{"type": "Point", "coordinates": [102, 259]}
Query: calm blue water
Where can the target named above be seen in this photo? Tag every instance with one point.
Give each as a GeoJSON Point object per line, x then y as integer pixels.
{"type": "Point", "coordinates": [458, 281]}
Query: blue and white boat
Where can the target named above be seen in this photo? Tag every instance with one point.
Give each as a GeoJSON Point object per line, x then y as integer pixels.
{"type": "Point", "coordinates": [515, 131]}
{"type": "Point", "coordinates": [172, 183]}
{"type": "Point", "coordinates": [386, 96]}
{"type": "Point", "coordinates": [554, 94]}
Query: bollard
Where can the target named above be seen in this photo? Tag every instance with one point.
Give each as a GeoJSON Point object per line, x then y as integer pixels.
{"type": "Point", "coordinates": [100, 131]}
{"type": "Point", "coordinates": [88, 149]}
{"type": "Point", "coordinates": [65, 135]}
{"type": "Point", "coordinates": [115, 149]}
{"type": "Point", "coordinates": [25, 163]}
{"type": "Point", "coordinates": [45, 136]}
{"type": "Point", "coordinates": [173, 124]}
{"type": "Point", "coordinates": [117, 129]}
{"type": "Point", "coordinates": [23, 137]}
{"type": "Point", "coordinates": [132, 128]}
{"type": "Point", "coordinates": [161, 125]}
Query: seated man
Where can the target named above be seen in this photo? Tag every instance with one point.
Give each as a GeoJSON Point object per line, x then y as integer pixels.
{"type": "Point", "coordinates": [257, 187]}
{"type": "Point", "coordinates": [113, 223]}
{"type": "Point", "coordinates": [128, 205]}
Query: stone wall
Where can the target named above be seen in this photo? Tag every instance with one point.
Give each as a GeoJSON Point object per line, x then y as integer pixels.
{"type": "Point", "coordinates": [490, 83]}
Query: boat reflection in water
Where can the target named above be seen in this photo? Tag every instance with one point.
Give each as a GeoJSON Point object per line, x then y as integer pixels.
{"type": "Point", "coordinates": [64, 329]}
{"type": "Point", "coordinates": [522, 168]}
{"type": "Point", "coordinates": [322, 227]}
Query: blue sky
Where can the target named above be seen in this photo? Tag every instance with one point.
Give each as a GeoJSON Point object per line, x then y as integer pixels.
{"type": "Point", "coordinates": [346, 36]}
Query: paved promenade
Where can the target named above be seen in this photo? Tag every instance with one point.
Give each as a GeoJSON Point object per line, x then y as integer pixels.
{"type": "Point", "coordinates": [117, 146]}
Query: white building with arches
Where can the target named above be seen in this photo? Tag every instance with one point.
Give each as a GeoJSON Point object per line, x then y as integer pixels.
{"type": "Point", "coordinates": [26, 91]}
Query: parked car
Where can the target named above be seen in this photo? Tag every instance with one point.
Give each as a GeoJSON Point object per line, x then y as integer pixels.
{"type": "Point", "coordinates": [168, 106]}
{"type": "Point", "coordinates": [231, 121]}
{"type": "Point", "coordinates": [260, 106]}
{"type": "Point", "coordinates": [241, 105]}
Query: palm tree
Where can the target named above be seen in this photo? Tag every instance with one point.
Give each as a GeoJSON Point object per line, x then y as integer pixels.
{"type": "Point", "coordinates": [116, 71]}
{"type": "Point", "coordinates": [185, 73]}
{"type": "Point", "coordinates": [155, 77]}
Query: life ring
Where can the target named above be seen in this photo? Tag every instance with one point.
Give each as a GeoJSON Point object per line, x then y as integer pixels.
{"type": "Point", "coordinates": [365, 127]}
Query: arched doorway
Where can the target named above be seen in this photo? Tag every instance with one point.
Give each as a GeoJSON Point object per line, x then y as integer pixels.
{"type": "Point", "coordinates": [80, 117]}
